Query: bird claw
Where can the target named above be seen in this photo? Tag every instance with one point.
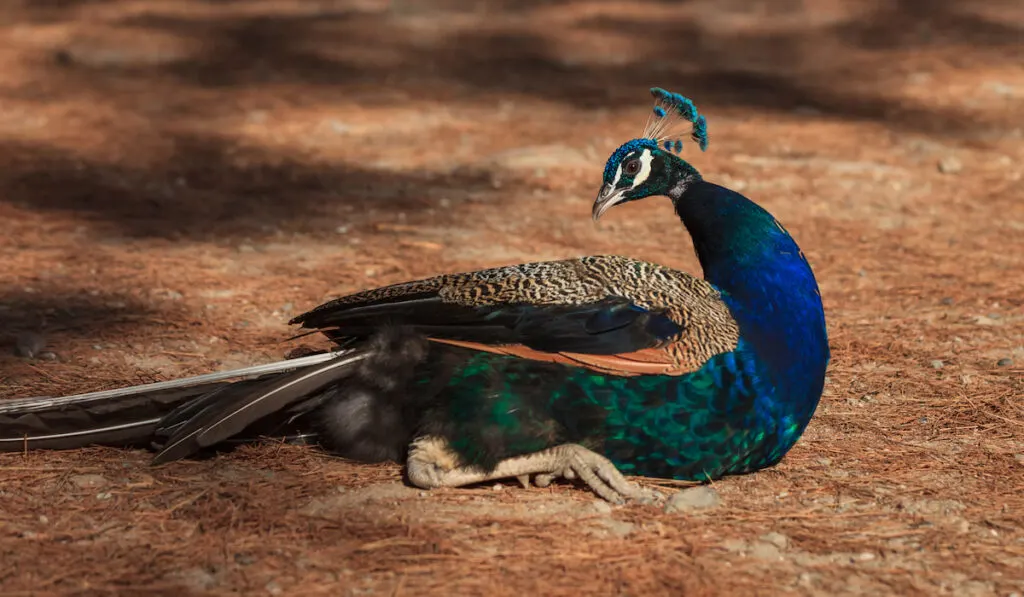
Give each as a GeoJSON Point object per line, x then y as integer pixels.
{"type": "Point", "coordinates": [431, 464]}
{"type": "Point", "coordinates": [599, 474]}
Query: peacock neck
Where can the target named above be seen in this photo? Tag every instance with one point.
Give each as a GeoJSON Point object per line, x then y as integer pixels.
{"type": "Point", "coordinates": [767, 283]}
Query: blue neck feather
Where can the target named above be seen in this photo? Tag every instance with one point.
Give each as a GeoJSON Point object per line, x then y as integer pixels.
{"type": "Point", "coordinates": [768, 285]}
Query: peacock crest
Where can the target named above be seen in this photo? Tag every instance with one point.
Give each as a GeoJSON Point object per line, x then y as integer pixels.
{"type": "Point", "coordinates": [672, 113]}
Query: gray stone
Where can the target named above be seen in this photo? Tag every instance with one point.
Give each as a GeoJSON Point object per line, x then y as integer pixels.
{"type": "Point", "coordinates": [693, 498]}
{"type": "Point", "coordinates": [765, 551]}
{"type": "Point", "coordinates": [950, 165]}
{"type": "Point", "coordinates": [197, 579]}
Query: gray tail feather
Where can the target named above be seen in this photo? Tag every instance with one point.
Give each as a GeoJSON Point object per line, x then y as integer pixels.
{"type": "Point", "coordinates": [232, 409]}
{"type": "Point", "coordinates": [138, 415]}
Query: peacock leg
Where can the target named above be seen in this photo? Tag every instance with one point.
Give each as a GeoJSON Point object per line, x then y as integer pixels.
{"type": "Point", "coordinates": [432, 464]}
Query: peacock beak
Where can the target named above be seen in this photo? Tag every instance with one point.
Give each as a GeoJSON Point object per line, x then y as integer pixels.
{"type": "Point", "coordinates": [606, 199]}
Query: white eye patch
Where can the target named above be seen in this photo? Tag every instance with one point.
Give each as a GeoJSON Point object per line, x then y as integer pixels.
{"type": "Point", "coordinates": [618, 175]}
{"type": "Point", "coordinates": [645, 169]}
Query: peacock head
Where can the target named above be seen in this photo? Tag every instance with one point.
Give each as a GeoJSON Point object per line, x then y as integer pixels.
{"type": "Point", "coordinates": [650, 165]}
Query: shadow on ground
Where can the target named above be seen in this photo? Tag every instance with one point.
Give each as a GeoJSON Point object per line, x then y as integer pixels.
{"type": "Point", "coordinates": [37, 322]}
{"type": "Point", "coordinates": [399, 49]}
{"type": "Point", "coordinates": [209, 189]}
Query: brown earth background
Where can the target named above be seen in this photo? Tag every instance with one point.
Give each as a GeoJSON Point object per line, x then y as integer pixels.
{"type": "Point", "coordinates": [179, 177]}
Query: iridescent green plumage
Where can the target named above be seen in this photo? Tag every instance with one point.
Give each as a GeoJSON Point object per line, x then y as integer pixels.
{"type": "Point", "coordinates": [694, 427]}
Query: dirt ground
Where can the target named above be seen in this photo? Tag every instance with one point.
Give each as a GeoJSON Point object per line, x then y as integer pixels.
{"type": "Point", "coordinates": [179, 177]}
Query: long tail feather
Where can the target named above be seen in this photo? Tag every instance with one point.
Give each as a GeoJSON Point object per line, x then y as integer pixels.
{"type": "Point", "coordinates": [120, 417]}
{"type": "Point", "coordinates": [234, 408]}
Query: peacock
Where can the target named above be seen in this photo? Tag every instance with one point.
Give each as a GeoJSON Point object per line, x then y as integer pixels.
{"type": "Point", "coordinates": [594, 368]}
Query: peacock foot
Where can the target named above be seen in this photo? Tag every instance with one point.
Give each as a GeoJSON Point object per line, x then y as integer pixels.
{"type": "Point", "coordinates": [432, 464]}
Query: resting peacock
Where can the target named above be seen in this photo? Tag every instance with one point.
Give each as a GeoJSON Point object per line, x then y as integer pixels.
{"type": "Point", "coordinates": [585, 368]}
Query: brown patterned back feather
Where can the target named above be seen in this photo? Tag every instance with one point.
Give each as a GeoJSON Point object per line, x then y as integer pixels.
{"type": "Point", "coordinates": [708, 327]}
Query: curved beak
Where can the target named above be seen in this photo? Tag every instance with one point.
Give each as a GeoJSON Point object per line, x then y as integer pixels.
{"type": "Point", "coordinates": [606, 199]}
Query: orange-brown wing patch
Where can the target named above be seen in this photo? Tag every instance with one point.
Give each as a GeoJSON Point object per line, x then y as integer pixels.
{"type": "Point", "coordinates": [649, 361]}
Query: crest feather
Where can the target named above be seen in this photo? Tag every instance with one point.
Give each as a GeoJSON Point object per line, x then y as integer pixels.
{"type": "Point", "coordinates": [670, 111]}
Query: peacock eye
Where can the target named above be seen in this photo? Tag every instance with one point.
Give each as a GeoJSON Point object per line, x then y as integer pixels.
{"type": "Point", "coordinates": [631, 167]}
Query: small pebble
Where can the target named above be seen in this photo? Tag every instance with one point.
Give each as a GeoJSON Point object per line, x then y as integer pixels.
{"type": "Point", "coordinates": [950, 165]}
{"type": "Point", "coordinates": [947, 301]}
{"type": "Point", "coordinates": [693, 498]}
{"type": "Point", "coordinates": [937, 364]}
{"type": "Point", "coordinates": [735, 545]}
{"type": "Point", "coordinates": [986, 321]}
{"type": "Point", "coordinates": [777, 539]}
{"type": "Point", "coordinates": [765, 551]}
{"type": "Point", "coordinates": [1004, 362]}
{"type": "Point", "coordinates": [962, 526]}
{"type": "Point", "coordinates": [618, 528]}
{"type": "Point", "coordinates": [173, 295]}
